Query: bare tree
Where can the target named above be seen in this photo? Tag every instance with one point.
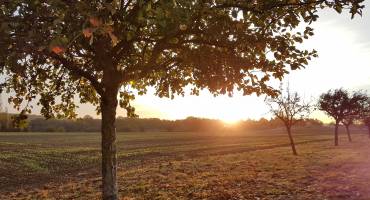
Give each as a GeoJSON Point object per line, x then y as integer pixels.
{"type": "Point", "coordinates": [289, 108]}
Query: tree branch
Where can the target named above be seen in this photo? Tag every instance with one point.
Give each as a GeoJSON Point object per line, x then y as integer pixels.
{"type": "Point", "coordinates": [73, 68]}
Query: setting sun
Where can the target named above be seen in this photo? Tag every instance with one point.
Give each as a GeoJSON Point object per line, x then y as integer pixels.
{"type": "Point", "coordinates": [228, 109]}
{"type": "Point", "coordinates": [230, 122]}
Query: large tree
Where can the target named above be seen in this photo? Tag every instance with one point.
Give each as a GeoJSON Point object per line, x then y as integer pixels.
{"type": "Point", "coordinates": [54, 50]}
{"type": "Point", "coordinates": [290, 108]}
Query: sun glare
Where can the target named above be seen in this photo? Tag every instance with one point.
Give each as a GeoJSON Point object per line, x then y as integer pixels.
{"type": "Point", "coordinates": [230, 122]}
{"type": "Point", "coordinates": [229, 110]}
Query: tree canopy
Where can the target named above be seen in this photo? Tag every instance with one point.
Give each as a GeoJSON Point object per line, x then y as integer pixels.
{"type": "Point", "coordinates": [343, 106]}
{"type": "Point", "coordinates": [355, 106]}
{"type": "Point", "coordinates": [334, 103]}
{"type": "Point", "coordinates": [61, 48]}
{"type": "Point", "coordinates": [289, 107]}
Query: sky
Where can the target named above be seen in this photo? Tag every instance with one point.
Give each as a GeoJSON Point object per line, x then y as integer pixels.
{"type": "Point", "coordinates": [344, 62]}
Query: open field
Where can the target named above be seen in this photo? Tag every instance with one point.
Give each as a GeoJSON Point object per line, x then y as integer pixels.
{"type": "Point", "coordinates": [249, 165]}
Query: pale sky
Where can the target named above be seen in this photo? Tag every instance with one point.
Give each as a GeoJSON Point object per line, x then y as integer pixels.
{"type": "Point", "coordinates": [344, 61]}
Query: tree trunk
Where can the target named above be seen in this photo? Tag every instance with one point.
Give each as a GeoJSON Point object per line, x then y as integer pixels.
{"type": "Point", "coordinates": [336, 134]}
{"type": "Point", "coordinates": [291, 141]}
{"type": "Point", "coordinates": [368, 128]}
{"type": "Point", "coordinates": [348, 133]}
{"type": "Point", "coordinates": [109, 155]}
{"type": "Point", "coordinates": [109, 104]}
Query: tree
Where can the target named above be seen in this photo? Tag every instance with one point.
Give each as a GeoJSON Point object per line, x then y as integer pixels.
{"type": "Point", "coordinates": [354, 107]}
{"type": "Point", "coordinates": [333, 103]}
{"type": "Point", "coordinates": [290, 109]}
{"type": "Point", "coordinates": [4, 116]}
{"type": "Point", "coordinates": [365, 115]}
{"type": "Point", "coordinates": [347, 122]}
{"type": "Point", "coordinates": [52, 51]}
{"type": "Point", "coordinates": [88, 117]}
{"type": "Point", "coordinates": [367, 123]}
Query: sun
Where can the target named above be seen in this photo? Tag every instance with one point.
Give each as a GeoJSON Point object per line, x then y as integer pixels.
{"type": "Point", "coordinates": [232, 120]}
{"type": "Point", "coordinates": [229, 110]}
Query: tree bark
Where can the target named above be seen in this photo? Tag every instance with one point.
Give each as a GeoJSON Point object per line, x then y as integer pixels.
{"type": "Point", "coordinates": [109, 104]}
{"type": "Point", "coordinates": [109, 154]}
{"type": "Point", "coordinates": [348, 133]}
{"type": "Point", "coordinates": [336, 141]}
{"type": "Point", "coordinates": [291, 141]}
{"type": "Point", "coordinates": [368, 128]}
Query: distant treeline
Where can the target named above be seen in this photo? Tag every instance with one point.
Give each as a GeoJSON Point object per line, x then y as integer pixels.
{"type": "Point", "coordinates": [89, 124]}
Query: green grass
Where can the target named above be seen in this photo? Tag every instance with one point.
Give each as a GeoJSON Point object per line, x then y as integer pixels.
{"type": "Point", "coordinates": [157, 165]}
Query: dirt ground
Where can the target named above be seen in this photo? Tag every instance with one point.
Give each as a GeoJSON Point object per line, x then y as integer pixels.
{"type": "Point", "coordinates": [251, 165]}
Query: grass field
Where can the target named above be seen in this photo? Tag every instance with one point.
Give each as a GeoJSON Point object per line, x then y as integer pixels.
{"type": "Point", "coordinates": [248, 165]}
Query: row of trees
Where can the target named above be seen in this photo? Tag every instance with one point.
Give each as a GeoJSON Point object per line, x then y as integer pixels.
{"type": "Point", "coordinates": [124, 124]}
{"type": "Point", "coordinates": [344, 107]}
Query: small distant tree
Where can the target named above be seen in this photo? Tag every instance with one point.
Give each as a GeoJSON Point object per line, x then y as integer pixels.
{"type": "Point", "coordinates": [365, 116]}
{"type": "Point", "coordinates": [367, 123]}
{"type": "Point", "coordinates": [88, 117]}
{"type": "Point", "coordinates": [333, 103]}
{"type": "Point", "coordinates": [290, 109]}
{"type": "Point", "coordinates": [120, 118]}
{"type": "Point", "coordinates": [353, 109]}
{"type": "Point", "coordinates": [313, 122]}
{"type": "Point", "coordinates": [3, 116]}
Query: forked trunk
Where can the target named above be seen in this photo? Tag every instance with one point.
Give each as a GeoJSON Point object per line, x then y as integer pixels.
{"type": "Point", "coordinates": [291, 141]}
{"type": "Point", "coordinates": [336, 142]}
{"type": "Point", "coordinates": [348, 133]}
